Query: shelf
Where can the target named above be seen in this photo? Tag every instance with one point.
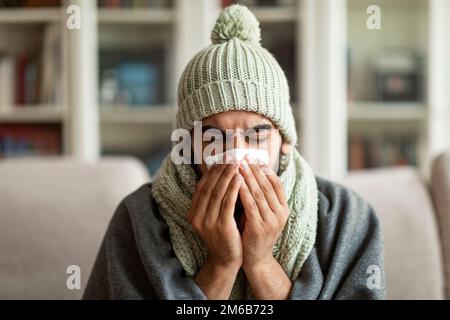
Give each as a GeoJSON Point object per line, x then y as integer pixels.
{"type": "Point", "coordinates": [32, 114]}
{"type": "Point", "coordinates": [17, 16]}
{"type": "Point", "coordinates": [391, 111]}
{"type": "Point", "coordinates": [386, 3]}
{"type": "Point", "coordinates": [277, 14]}
{"type": "Point", "coordinates": [138, 115]}
{"type": "Point", "coordinates": [136, 16]}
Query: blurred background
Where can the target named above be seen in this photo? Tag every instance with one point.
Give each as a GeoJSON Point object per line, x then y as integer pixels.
{"type": "Point", "coordinates": [141, 47]}
{"type": "Point", "coordinates": [371, 105]}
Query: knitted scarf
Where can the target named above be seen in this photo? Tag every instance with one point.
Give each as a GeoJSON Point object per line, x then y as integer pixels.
{"type": "Point", "coordinates": [173, 188]}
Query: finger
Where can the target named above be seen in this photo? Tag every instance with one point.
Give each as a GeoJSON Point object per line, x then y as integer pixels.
{"type": "Point", "coordinates": [204, 188]}
{"type": "Point", "coordinates": [229, 201]}
{"type": "Point", "coordinates": [249, 204]}
{"type": "Point", "coordinates": [215, 172]}
{"type": "Point", "coordinates": [218, 193]}
{"type": "Point", "coordinates": [276, 184]}
{"type": "Point", "coordinates": [256, 192]}
{"type": "Point", "coordinates": [266, 187]}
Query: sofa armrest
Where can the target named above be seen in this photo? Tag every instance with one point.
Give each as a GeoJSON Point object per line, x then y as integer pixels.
{"type": "Point", "coordinates": [53, 214]}
{"type": "Point", "coordinates": [440, 188]}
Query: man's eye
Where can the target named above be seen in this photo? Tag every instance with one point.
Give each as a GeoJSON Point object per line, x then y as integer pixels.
{"type": "Point", "coordinates": [256, 138]}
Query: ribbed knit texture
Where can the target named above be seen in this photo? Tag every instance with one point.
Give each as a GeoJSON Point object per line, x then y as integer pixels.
{"type": "Point", "coordinates": [236, 73]}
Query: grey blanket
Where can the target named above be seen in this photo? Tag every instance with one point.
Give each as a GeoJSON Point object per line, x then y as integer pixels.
{"type": "Point", "coordinates": [136, 259]}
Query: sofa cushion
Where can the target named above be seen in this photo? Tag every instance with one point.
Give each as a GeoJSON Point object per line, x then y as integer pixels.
{"type": "Point", "coordinates": [413, 262]}
{"type": "Point", "coordinates": [53, 214]}
{"type": "Point", "coordinates": [440, 187]}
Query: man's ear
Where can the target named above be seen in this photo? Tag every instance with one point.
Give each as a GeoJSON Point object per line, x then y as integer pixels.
{"type": "Point", "coordinates": [285, 148]}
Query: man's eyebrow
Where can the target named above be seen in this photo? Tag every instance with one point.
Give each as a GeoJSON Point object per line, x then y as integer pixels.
{"type": "Point", "coordinates": [260, 127]}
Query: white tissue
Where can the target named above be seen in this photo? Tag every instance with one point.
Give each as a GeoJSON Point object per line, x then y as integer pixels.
{"type": "Point", "coordinates": [238, 155]}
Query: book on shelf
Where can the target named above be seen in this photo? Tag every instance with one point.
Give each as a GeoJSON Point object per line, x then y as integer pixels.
{"type": "Point", "coordinates": [7, 83]}
{"type": "Point", "coordinates": [18, 140]}
{"type": "Point", "coordinates": [373, 151]}
{"type": "Point", "coordinates": [32, 78]}
{"type": "Point", "coordinates": [29, 3]}
{"type": "Point", "coordinates": [135, 3]}
{"type": "Point", "coordinates": [51, 77]}
{"type": "Point", "coordinates": [26, 79]}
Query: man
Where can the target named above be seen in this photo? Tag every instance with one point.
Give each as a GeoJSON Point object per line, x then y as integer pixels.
{"type": "Point", "coordinates": [241, 229]}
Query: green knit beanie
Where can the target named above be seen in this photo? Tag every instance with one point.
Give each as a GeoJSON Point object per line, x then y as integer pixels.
{"type": "Point", "coordinates": [235, 73]}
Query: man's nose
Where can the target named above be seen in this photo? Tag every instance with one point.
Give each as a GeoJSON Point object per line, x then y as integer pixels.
{"type": "Point", "coordinates": [237, 141]}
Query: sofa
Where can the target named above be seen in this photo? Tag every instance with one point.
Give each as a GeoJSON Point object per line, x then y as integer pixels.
{"type": "Point", "coordinates": [415, 218]}
{"type": "Point", "coordinates": [54, 212]}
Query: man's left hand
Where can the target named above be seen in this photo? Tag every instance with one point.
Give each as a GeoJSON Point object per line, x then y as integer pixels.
{"type": "Point", "coordinates": [266, 212]}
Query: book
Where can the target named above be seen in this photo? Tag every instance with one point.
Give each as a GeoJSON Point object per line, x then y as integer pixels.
{"type": "Point", "coordinates": [30, 3]}
{"type": "Point", "coordinates": [41, 3]}
{"type": "Point", "coordinates": [19, 140]}
{"type": "Point", "coordinates": [30, 81]}
{"type": "Point", "coordinates": [226, 3]}
{"type": "Point", "coordinates": [7, 82]}
{"type": "Point", "coordinates": [50, 86]}
{"type": "Point", "coordinates": [27, 80]}
{"type": "Point", "coordinates": [21, 64]}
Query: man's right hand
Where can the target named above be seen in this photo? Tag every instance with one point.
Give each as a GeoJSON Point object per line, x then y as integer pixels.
{"type": "Point", "coordinates": [212, 216]}
{"type": "Point", "coordinates": [212, 213]}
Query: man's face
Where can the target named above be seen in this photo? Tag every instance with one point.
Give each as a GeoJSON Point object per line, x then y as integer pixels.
{"type": "Point", "coordinates": [239, 129]}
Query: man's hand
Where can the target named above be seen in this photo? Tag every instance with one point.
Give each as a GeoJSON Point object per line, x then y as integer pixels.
{"type": "Point", "coordinates": [266, 212]}
{"type": "Point", "coordinates": [212, 216]}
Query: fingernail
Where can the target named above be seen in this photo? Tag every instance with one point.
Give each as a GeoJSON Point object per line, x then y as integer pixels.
{"type": "Point", "coordinates": [249, 158]}
{"type": "Point", "coordinates": [227, 159]}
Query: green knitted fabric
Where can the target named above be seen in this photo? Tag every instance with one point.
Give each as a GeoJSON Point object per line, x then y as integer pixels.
{"type": "Point", "coordinates": [236, 73]}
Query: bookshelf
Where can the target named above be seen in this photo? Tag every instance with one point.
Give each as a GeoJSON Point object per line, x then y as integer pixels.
{"type": "Point", "coordinates": [32, 104]}
{"type": "Point", "coordinates": [162, 115]}
{"type": "Point", "coordinates": [30, 15]}
{"type": "Point", "coordinates": [397, 112]}
{"type": "Point", "coordinates": [135, 16]}
{"type": "Point", "coordinates": [269, 14]}
{"type": "Point", "coordinates": [323, 46]}
{"type": "Point", "coordinates": [30, 114]}
{"type": "Point", "coordinates": [131, 40]}
{"type": "Point", "coordinates": [378, 60]}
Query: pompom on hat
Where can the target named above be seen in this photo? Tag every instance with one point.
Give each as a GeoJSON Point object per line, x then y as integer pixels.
{"type": "Point", "coordinates": [236, 21]}
{"type": "Point", "coordinates": [235, 73]}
